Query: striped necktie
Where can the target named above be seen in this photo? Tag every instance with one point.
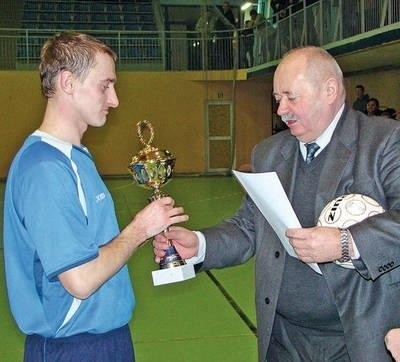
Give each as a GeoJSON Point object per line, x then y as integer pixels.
{"type": "Point", "coordinates": [311, 149]}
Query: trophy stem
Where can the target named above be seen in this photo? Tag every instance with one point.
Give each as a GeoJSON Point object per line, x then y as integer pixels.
{"type": "Point", "coordinates": [157, 194]}
{"type": "Point", "coordinates": [172, 258]}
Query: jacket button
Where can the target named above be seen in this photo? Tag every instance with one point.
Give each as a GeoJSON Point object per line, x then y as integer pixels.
{"type": "Point", "coordinates": [266, 300]}
{"type": "Point", "coordinates": [277, 254]}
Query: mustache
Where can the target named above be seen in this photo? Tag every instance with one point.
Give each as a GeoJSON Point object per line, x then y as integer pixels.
{"type": "Point", "coordinates": [288, 117]}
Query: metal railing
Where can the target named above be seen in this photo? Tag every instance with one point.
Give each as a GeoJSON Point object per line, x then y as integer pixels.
{"type": "Point", "coordinates": [321, 23]}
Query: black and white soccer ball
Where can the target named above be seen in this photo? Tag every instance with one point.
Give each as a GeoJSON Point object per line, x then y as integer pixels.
{"type": "Point", "coordinates": [347, 210]}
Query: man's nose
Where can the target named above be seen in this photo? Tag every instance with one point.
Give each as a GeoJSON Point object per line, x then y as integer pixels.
{"type": "Point", "coordinates": [282, 107]}
{"type": "Point", "coordinates": [113, 98]}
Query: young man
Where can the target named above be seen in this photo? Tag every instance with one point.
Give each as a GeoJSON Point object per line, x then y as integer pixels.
{"type": "Point", "coordinates": [342, 314]}
{"type": "Point", "coordinates": [65, 257]}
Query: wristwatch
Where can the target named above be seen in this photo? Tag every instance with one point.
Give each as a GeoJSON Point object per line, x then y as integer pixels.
{"type": "Point", "coordinates": [344, 240]}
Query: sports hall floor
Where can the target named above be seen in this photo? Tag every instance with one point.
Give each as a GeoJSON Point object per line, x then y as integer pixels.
{"type": "Point", "coordinates": [210, 318]}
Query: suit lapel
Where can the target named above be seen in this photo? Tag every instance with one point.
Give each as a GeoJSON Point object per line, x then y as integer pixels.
{"type": "Point", "coordinates": [339, 152]}
{"type": "Point", "coordinates": [284, 165]}
{"type": "Point", "coordinates": [287, 169]}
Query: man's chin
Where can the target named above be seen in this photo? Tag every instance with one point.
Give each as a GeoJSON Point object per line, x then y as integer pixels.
{"type": "Point", "coordinates": [99, 123]}
{"type": "Point", "coordinates": [102, 122]}
{"type": "Point", "coordinates": [292, 125]}
{"type": "Point", "coordinates": [295, 130]}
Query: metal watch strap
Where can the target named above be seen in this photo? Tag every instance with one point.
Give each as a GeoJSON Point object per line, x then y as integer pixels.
{"type": "Point", "coordinates": [344, 240]}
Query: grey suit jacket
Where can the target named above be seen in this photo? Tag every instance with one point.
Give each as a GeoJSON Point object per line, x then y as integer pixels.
{"type": "Point", "coordinates": [362, 157]}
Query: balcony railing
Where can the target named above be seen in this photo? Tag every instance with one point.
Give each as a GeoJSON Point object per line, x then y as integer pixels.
{"type": "Point", "coordinates": [321, 23]}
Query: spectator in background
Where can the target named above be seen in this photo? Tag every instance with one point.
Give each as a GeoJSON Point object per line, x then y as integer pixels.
{"type": "Point", "coordinates": [203, 45]}
{"type": "Point", "coordinates": [260, 48]}
{"type": "Point", "coordinates": [279, 8]}
{"type": "Point", "coordinates": [247, 44]}
{"type": "Point", "coordinates": [228, 13]}
{"type": "Point", "coordinates": [360, 104]}
{"type": "Point", "coordinates": [373, 107]}
{"type": "Point", "coordinates": [206, 23]}
{"type": "Point", "coordinates": [224, 25]}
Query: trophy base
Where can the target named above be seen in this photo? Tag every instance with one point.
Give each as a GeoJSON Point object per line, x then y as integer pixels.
{"type": "Point", "coordinates": [173, 275]}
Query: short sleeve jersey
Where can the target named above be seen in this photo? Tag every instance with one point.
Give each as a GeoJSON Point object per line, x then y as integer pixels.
{"type": "Point", "coordinates": [57, 214]}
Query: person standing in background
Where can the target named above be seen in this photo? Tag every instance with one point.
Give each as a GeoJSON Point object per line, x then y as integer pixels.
{"type": "Point", "coordinates": [224, 26]}
{"type": "Point", "coordinates": [247, 44]}
{"type": "Point", "coordinates": [259, 29]}
{"type": "Point", "coordinates": [203, 46]}
{"type": "Point", "coordinates": [360, 104]}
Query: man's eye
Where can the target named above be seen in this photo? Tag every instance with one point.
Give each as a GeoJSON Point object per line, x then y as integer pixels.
{"type": "Point", "coordinates": [292, 98]}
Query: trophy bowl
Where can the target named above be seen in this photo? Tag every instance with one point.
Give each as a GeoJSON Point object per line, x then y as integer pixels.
{"type": "Point", "coordinates": [152, 168]}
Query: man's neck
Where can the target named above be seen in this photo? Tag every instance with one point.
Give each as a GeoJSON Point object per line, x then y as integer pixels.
{"type": "Point", "coordinates": [61, 125]}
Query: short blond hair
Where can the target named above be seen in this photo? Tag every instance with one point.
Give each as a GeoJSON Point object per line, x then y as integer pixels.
{"type": "Point", "coordinates": [75, 52]}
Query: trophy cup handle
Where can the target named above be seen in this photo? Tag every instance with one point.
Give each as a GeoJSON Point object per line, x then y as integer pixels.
{"type": "Point", "coordinates": [140, 127]}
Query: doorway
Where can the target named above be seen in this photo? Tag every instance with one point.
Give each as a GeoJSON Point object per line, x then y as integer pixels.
{"type": "Point", "coordinates": [219, 136]}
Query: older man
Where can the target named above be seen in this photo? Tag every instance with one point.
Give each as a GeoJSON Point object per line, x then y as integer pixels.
{"type": "Point", "coordinates": [342, 314]}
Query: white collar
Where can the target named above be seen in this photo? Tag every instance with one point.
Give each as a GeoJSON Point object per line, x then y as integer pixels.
{"type": "Point", "coordinates": [324, 139]}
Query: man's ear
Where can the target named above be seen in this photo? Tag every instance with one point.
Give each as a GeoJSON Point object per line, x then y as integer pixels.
{"type": "Point", "coordinates": [332, 89]}
{"type": "Point", "coordinates": [66, 81]}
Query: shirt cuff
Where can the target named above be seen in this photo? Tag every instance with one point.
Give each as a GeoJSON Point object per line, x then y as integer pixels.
{"type": "Point", "coordinates": [356, 252]}
{"type": "Point", "coordinates": [199, 258]}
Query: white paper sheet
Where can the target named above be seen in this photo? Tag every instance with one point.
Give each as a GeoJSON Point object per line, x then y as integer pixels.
{"type": "Point", "coordinates": [266, 191]}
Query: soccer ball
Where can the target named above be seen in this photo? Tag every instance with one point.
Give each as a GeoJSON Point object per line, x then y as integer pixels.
{"type": "Point", "coordinates": [347, 210]}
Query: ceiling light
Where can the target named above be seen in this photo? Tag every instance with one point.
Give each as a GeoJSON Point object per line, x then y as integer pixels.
{"type": "Point", "coordinates": [246, 5]}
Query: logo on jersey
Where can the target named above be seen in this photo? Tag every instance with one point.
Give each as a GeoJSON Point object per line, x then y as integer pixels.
{"type": "Point", "coordinates": [100, 197]}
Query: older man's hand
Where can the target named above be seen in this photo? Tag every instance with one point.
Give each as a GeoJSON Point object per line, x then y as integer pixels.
{"type": "Point", "coordinates": [392, 341]}
{"type": "Point", "coordinates": [318, 244]}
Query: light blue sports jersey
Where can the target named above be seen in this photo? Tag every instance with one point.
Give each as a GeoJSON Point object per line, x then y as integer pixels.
{"type": "Point", "coordinates": [57, 213]}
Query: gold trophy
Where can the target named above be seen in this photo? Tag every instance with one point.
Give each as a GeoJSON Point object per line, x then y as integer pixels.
{"type": "Point", "coordinates": [152, 168]}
